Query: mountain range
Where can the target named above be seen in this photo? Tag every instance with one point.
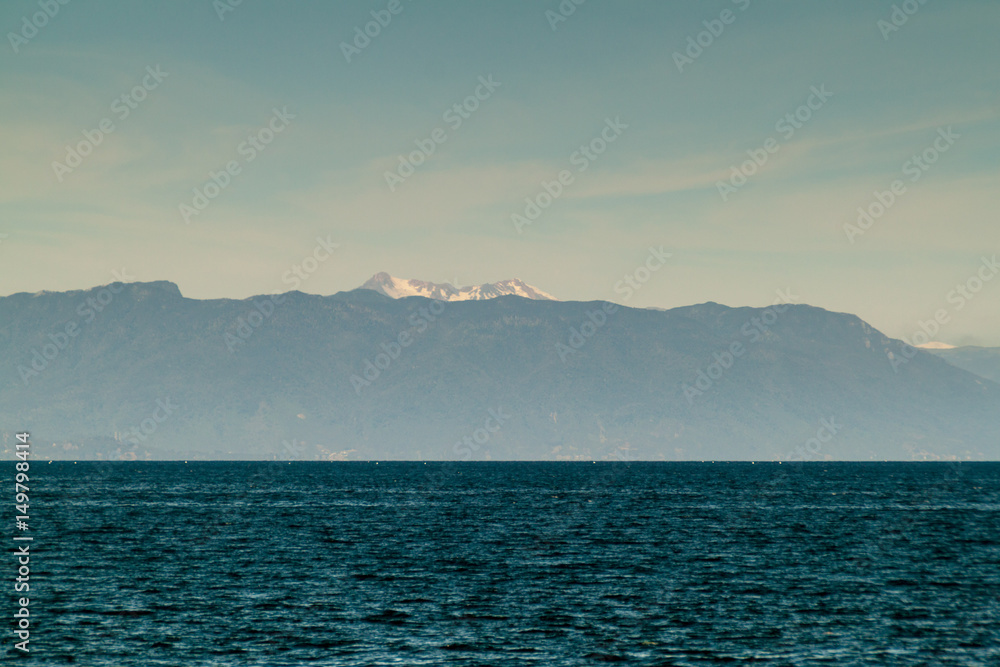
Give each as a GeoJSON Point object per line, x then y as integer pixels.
{"type": "Point", "coordinates": [983, 361]}
{"type": "Point", "coordinates": [137, 370]}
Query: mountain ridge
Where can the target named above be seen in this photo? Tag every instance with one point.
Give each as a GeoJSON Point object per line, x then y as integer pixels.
{"type": "Point", "coordinates": [983, 361]}
{"type": "Point", "coordinates": [288, 384]}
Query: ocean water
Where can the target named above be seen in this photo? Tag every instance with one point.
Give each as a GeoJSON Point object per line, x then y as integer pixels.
{"type": "Point", "coordinates": [356, 563]}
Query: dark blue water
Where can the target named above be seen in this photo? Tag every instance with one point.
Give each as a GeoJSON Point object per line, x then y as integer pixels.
{"type": "Point", "coordinates": [513, 564]}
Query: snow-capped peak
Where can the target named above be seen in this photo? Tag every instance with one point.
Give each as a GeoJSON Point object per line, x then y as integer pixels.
{"type": "Point", "coordinates": [398, 288]}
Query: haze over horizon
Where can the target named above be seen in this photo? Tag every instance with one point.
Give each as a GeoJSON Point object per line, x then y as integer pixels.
{"type": "Point", "coordinates": [666, 121]}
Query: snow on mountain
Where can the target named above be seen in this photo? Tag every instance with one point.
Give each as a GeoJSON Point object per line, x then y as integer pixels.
{"type": "Point", "coordinates": [398, 288]}
{"type": "Point", "coordinates": [936, 345]}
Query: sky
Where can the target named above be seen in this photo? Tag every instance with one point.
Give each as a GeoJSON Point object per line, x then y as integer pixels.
{"type": "Point", "coordinates": [244, 148]}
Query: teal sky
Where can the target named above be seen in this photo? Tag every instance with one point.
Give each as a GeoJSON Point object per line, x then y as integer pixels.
{"type": "Point", "coordinates": [323, 175]}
